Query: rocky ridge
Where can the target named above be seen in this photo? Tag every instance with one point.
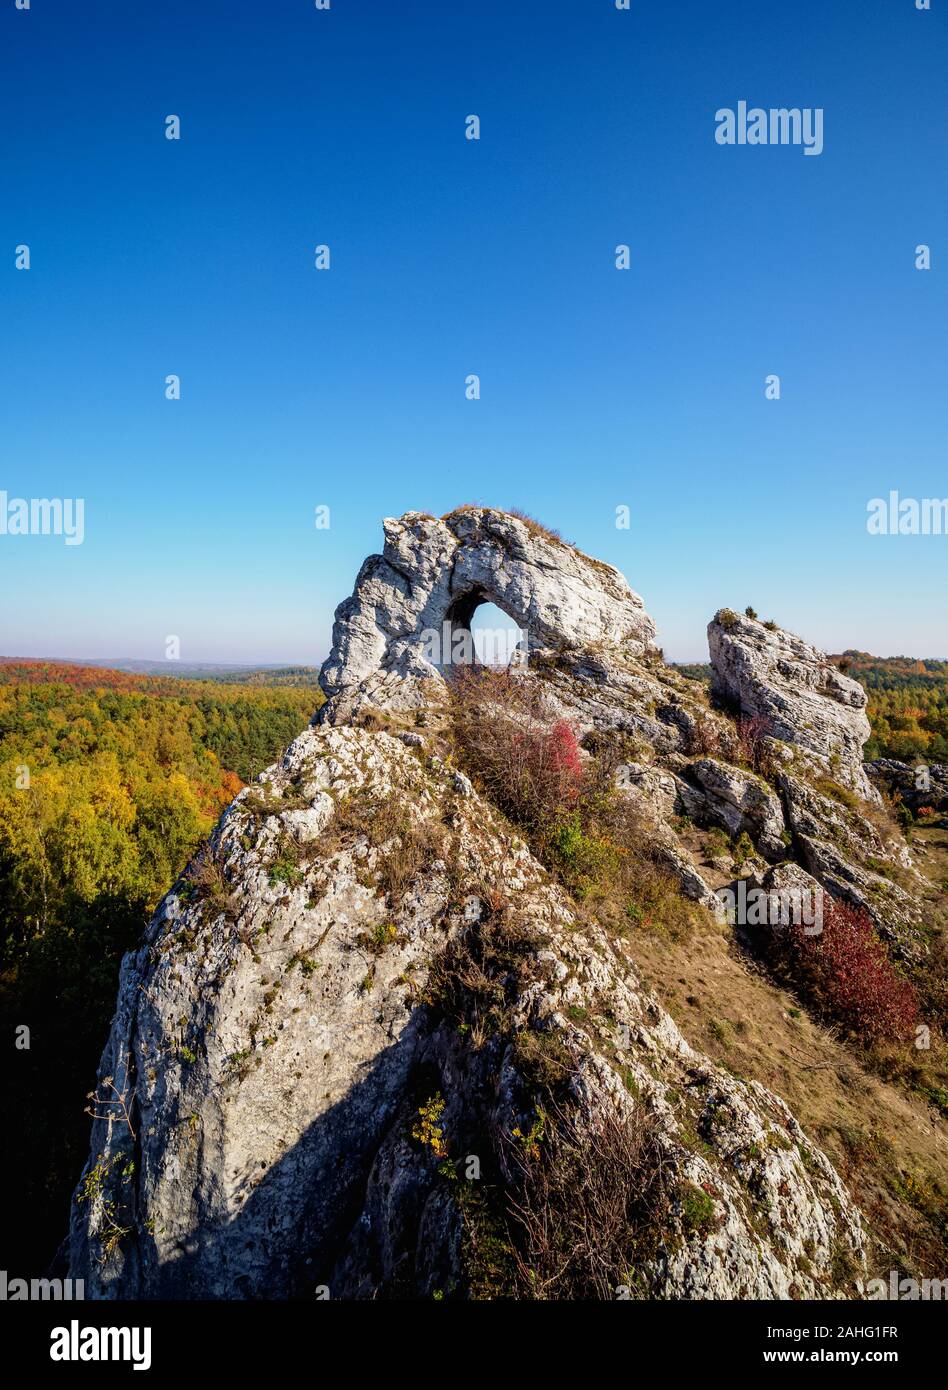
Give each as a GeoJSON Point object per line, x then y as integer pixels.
{"type": "Point", "coordinates": [368, 979]}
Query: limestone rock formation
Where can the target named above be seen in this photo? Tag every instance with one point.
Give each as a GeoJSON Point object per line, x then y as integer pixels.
{"type": "Point", "coordinates": [279, 1052]}
{"type": "Point", "coordinates": [355, 996]}
{"type": "Point", "coordinates": [803, 697]}
{"type": "Point", "coordinates": [845, 852]}
{"type": "Point", "coordinates": [742, 803]}
{"type": "Point", "coordinates": [411, 602]}
{"type": "Point", "coordinates": [916, 786]}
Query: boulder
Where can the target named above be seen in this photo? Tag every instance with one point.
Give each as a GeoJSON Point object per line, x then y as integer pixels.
{"type": "Point", "coordinates": [794, 691]}
{"type": "Point", "coordinates": [916, 784]}
{"type": "Point", "coordinates": [740, 802]}
{"type": "Point", "coordinates": [653, 789]}
{"type": "Point", "coordinates": [850, 859]}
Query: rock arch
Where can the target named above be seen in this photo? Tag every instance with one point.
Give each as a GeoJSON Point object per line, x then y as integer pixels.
{"type": "Point", "coordinates": [456, 640]}
{"type": "Point", "coordinates": [433, 572]}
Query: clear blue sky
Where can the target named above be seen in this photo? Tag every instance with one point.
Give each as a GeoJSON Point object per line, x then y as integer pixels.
{"type": "Point", "coordinates": [346, 388]}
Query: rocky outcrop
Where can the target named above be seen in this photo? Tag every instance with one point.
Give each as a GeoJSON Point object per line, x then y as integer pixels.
{"type": "Point", "coordinates": [797, 694]}
{"type": "Point", "coordinates": [741, 803]}
{"type": "Point", "coordinates": [846, 853]}
{"type": "Point", "coordinates": [915, 785]}
{"type": "Point", "coordinates": [281, 1040]}
{"type": "Point", "coordinates": [345, 1022]}
{"type": "Point", "coordinates": [655, 790]}
{"type": "Point", "coordinates": [412, 605]}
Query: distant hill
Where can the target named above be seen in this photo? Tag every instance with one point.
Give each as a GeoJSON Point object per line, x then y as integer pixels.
{"type": "Point", "coordinates": [88, 673]}
{"type": "Point", "coordinates": [908, 704]}
{"type": "Point", "coordinates": [694, 670]}
{"type": "Point", "coordinates": [269, 675]}
{"type": "Point", "coordinates": [893, 672]}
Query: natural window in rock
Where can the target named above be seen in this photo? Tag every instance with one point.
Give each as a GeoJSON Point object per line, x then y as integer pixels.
{"type": "Point", "coordinates": [476, 632]}
{"type": "Point", "coordinates": [496, 637]}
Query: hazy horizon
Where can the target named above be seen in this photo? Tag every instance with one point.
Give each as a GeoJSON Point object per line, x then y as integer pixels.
{"type": "Point", "coordinates": [281, 663]}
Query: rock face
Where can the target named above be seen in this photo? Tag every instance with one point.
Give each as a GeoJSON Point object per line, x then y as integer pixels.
{"type": "Point", "coordinates": [351, 1001]}
{"type": "Point", "coordinates": [741, 803]}
{"type": "Point", "coordinates": [916, 785]}
{"type": "Point", "coordinates": [803, 698]}
{"type": "Point", "coordinates": [412, 602]}
{"type": "Point", "coordinates": [846, 854]}
{"type": "Point", "coordinates": [279, 1054]}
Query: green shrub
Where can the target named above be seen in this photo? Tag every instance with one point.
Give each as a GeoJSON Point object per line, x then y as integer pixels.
{"type": "Point", "coordinates": [697, 1210]}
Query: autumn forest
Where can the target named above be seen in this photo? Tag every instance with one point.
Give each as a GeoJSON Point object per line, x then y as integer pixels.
{"type": "Point", "coordinates": [109, 781]}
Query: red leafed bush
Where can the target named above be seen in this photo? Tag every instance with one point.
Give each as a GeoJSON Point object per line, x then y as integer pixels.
{"type": "Point", "coordinates": [539, 769]}
{"type": "Point", "coordinates": [563, 753]}
{"type": "Point", "coordinates": [528, 766]}
{"type": "Point", "coordinates": [846, 972]}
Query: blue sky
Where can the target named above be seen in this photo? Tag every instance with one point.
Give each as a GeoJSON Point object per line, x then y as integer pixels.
{"type": "Point", "coordinates": [345, 388]}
